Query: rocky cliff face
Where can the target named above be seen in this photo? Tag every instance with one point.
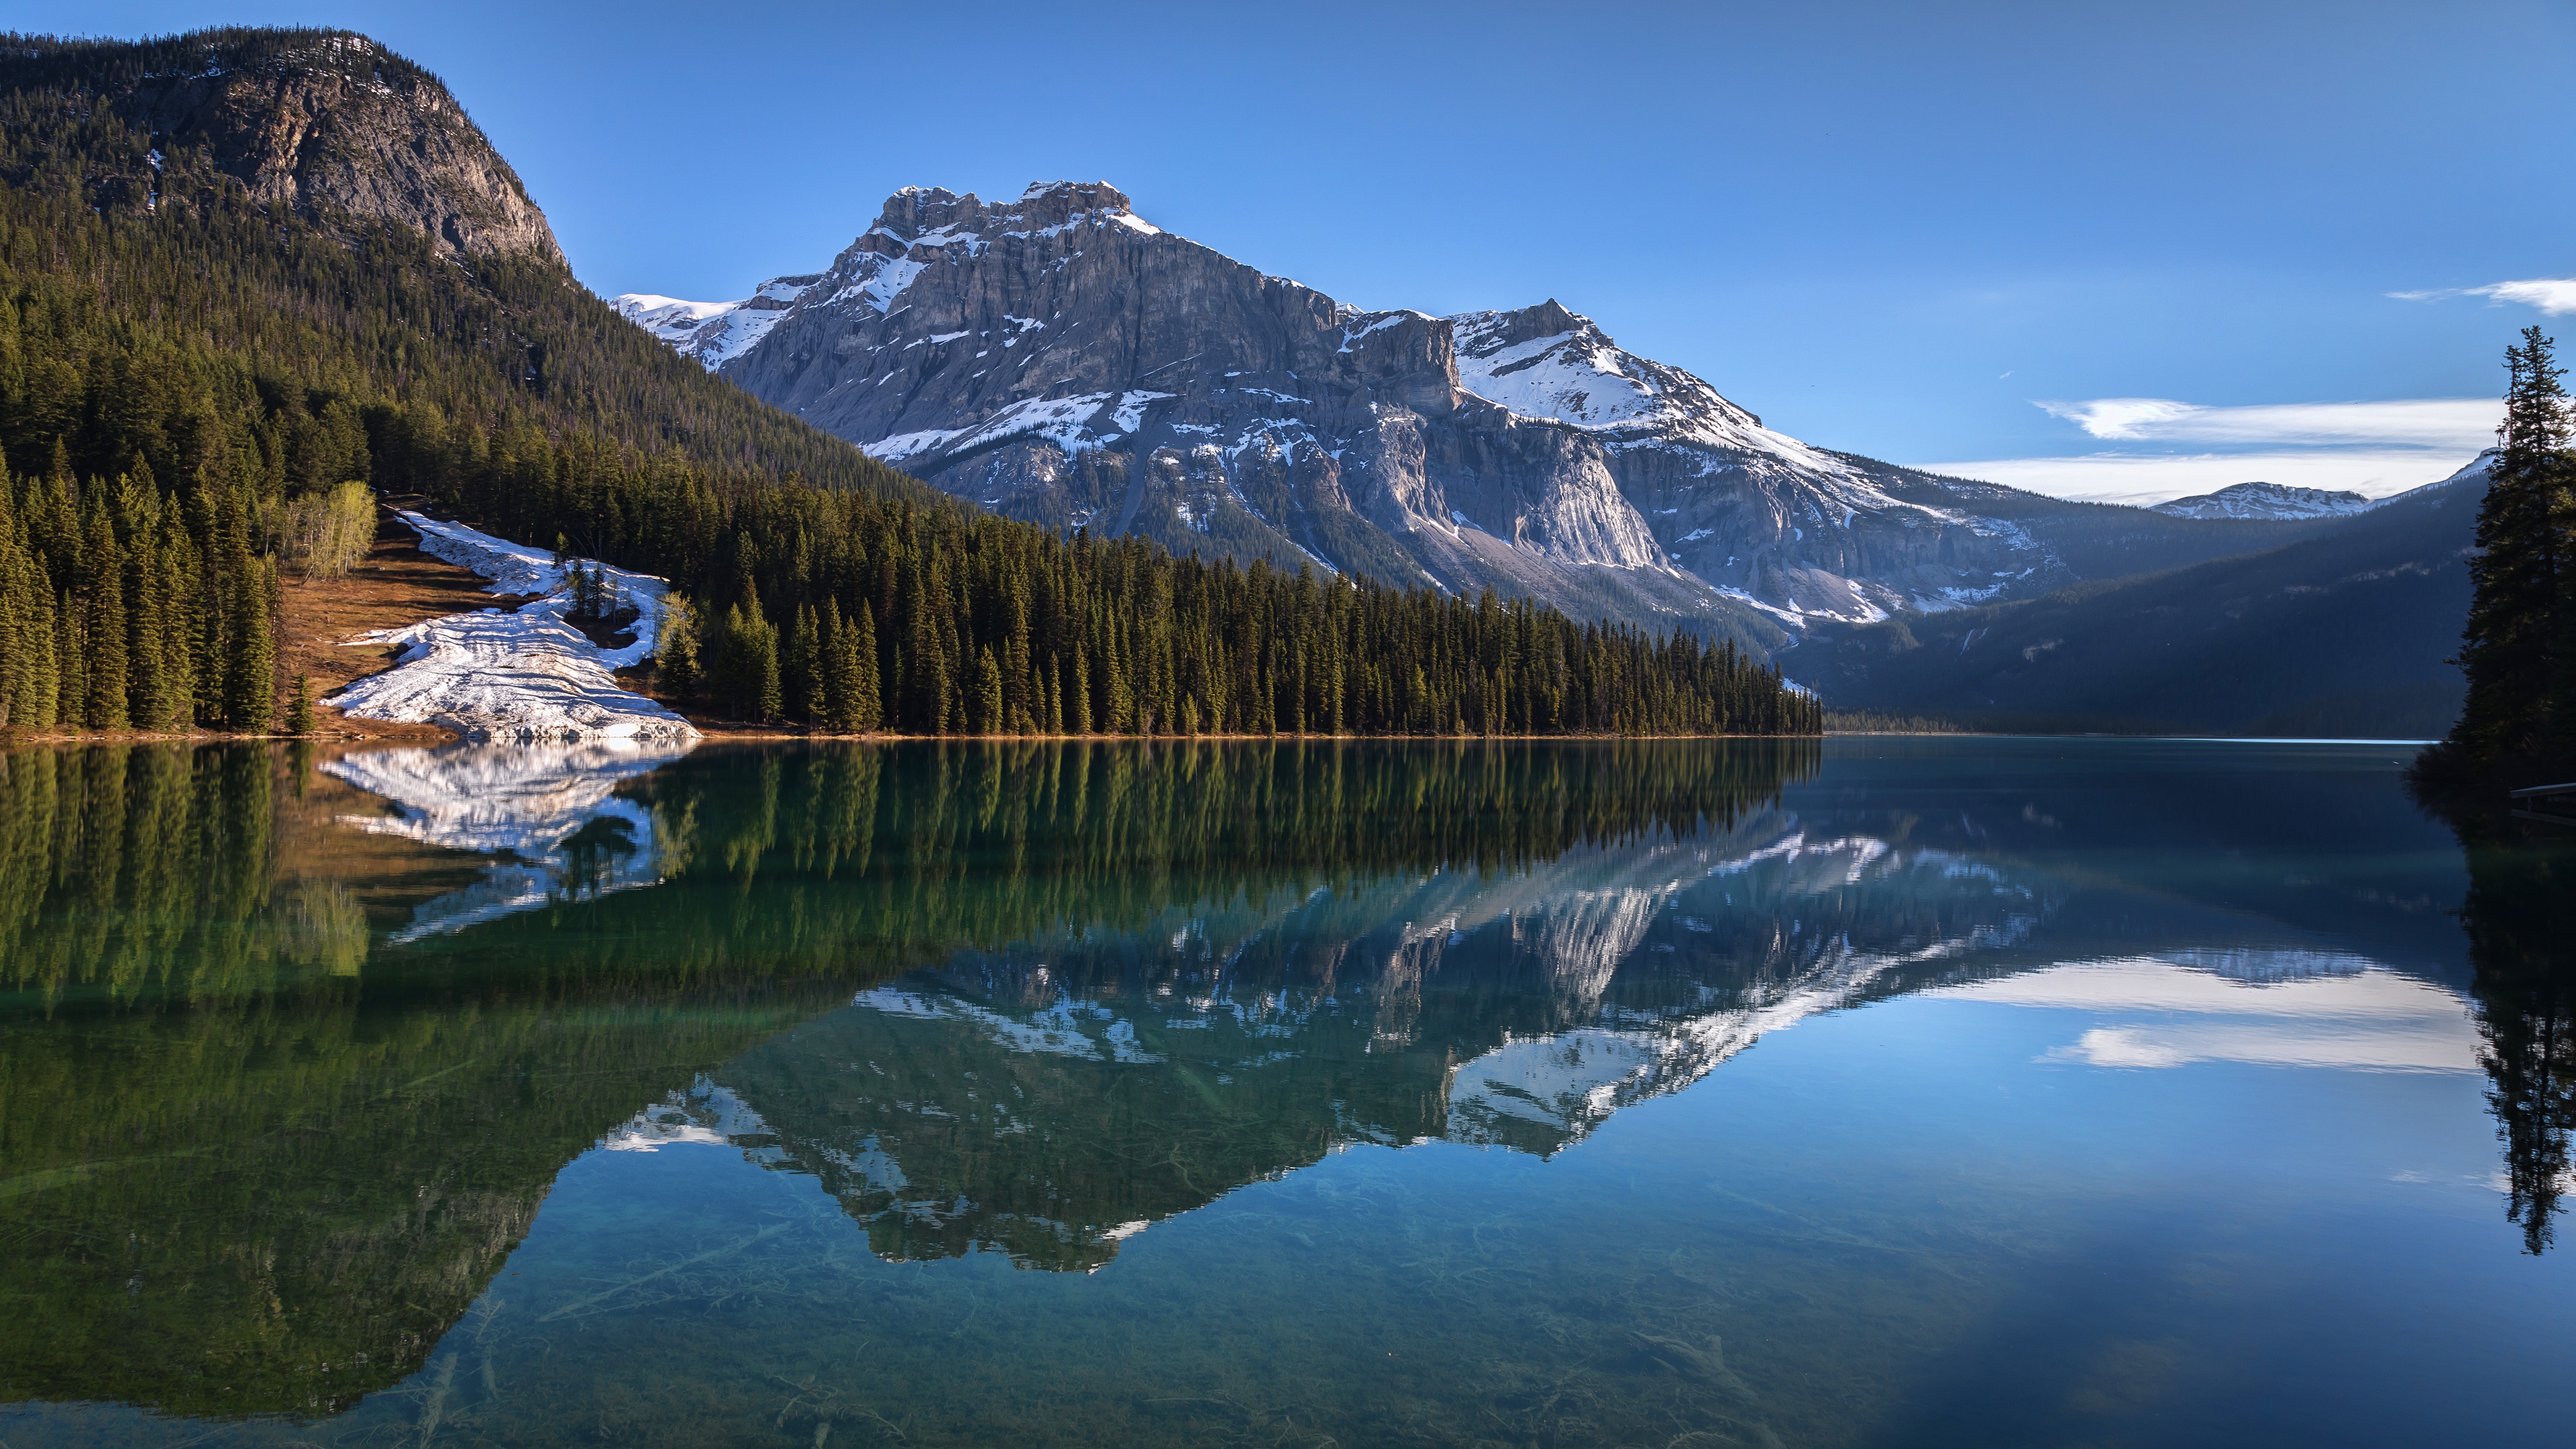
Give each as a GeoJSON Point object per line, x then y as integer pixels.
{"type": "Point", "coordinates": [1058, 358]}
{"type": "Point", "coordinates": [327, 122]}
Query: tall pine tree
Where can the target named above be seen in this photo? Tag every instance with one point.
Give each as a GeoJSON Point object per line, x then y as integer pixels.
{"type": "Point", "coordinates": [2512, 649]}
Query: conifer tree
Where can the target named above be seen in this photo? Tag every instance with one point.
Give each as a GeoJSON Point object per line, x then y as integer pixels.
{"type": "Point", "coordinates": [104, 626]}
{"type": "Point", "coordinates": [732, 678]}
{"type": "Point", "coordinates": [866, 706]}
{"type": "Point", "coordinates": [925, 679]}
{"type": "Point", "coordinates": [1119, 715]}
{"type": "Point", "coordinates": [2509, 650]}
{"type": "Point", "coordinates": [147, 659]}
{"type": "Point", "coordinates": [250, 684]}
{"type": "Point", "coordinates": [28, 675]}
{"type": "Point", "coordinates": [19, 628]}
{"type": "Point", "coordinates": [988, 694]}
{"type": "Point", "coordinates": [840, 671]}
{"type": "Point", "coordinates": [71, 657]}
{"type": "Point", "coordinates": [1017, 674]}
{"type": "Point", "coordinates": [802, 667]}
{"type": "Point", "coordinates": [676, 648]}
{"type": "Point", "coordinates": [768, 688]}
{"type": "Point", "coordinates": [299, 707]}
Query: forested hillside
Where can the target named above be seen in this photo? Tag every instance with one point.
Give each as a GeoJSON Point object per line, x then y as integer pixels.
{"type": "Point", "coordinates": [194, 352]}
{"type": "Point", "coordinates": [2348, 632]}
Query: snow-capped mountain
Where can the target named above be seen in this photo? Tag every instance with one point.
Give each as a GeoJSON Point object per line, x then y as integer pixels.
{"type": "Point", "coordinates": [2266, 500]}
{"type": "Point", "coordinates": [714, 333]}
{"type": "Point", "coordinates": [1060, 359]}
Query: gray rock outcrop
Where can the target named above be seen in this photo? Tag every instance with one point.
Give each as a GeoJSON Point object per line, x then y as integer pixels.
{"type": "Point", "coordinates": [328, 123]}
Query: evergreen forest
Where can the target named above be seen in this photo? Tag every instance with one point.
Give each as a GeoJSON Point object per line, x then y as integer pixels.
{"type": "Point", "coordinates": [189, 377]}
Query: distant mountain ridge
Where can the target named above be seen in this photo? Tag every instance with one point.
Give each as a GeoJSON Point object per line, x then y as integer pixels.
{"type": "Point", "coordinates": [2348, 631]}
{"type": "Point", "coordinates": [1058, 358]}
{"type": "Point", "coordinates": [2266, 500]}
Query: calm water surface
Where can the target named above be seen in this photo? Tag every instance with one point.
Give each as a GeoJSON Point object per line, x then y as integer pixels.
{"type": "Point", "coordinates": [1888, 1092]}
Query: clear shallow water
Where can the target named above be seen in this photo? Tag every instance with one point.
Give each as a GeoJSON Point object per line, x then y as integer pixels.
{"type": "Point", "coordinates": [1902, 1092]}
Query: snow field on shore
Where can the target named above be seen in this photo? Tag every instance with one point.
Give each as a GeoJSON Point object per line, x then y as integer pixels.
{"type": "Point", "coordinates": [517, 676]}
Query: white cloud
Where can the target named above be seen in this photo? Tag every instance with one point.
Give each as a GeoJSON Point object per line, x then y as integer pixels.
{"type": "Point", "coordinates": [2449, 423]}
{"type": "Point", "coordinates": [2371, 448]}
{"type": "Point", "coordinates": [2149, 1013]}
{"type": "Point", "coordinates": [2140, 478]}
{"type": "Point", "coordinates": [2553, 295]}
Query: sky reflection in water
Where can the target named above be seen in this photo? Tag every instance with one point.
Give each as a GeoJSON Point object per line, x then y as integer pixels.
{"type": "Point", "coordinates": [1906, 1092]}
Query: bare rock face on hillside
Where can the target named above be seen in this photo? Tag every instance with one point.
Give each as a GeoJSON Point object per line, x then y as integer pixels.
{"type": "Point", "coordinates": [324, 122]}
{"type": "Point", "coordinates": [1058, 358]}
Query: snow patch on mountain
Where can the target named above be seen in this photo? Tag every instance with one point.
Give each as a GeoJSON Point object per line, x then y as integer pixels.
{"type": "Point", "coordinates": [713, 333]}
{"type": "Point", "coordinates": [1578, 375]}
{"type": "Point", "coordinates": [1572, 372]}
{"type": "Point", "coordinates": [1059, 420]}
{"type": "Point", "coordinates": [518, 676]}
{"type": "Point", "coordinates": [2267, 500]}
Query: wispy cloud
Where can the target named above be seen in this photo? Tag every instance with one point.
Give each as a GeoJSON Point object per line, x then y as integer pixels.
{"type": "Point", "coordinates": [2442, 422]}
{"type": "Point", "coordinates": [2555, 296]}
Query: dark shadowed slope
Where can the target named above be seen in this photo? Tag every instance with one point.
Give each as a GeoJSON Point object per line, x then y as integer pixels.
{"type": "Point", "coordinates": [2346, 633]}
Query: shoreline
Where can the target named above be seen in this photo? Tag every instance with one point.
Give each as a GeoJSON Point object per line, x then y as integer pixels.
{"type": "Point", "coordinates": [435, 735]}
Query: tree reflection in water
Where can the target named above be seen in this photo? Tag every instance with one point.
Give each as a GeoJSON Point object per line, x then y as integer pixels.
{"type": "Point", "coordinates": [308, 1068]}
{"type": "Point", "coordinates": [2521, 921]}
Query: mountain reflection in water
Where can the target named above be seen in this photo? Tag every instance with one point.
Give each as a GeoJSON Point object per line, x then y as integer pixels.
{"type": "Point", "coordinates": [314, 1038]}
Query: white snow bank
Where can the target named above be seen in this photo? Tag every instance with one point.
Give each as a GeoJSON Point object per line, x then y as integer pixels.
{"type": "Point", "coordinates": [517, 677]}
{"type": "Point", "coordinates": [525, 803]}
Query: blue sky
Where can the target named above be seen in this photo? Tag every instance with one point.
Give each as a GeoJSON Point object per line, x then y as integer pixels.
{"type": "Point", "coordinates": [2098, 249]}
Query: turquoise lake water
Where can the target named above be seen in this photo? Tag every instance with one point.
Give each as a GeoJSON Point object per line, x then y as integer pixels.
{"type": "Point", "coordinates": [1877, 1092]}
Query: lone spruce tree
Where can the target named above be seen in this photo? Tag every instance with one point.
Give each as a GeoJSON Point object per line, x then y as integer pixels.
{"type": "Point", "coordinates": [677, 647]}
{"type": "Point", "coordinates": [866, 700]}
{"type": "Point", "coordinates": [2517, 630]}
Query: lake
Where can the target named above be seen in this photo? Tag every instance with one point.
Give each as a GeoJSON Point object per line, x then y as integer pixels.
{"type": "Point", "coordinates": [1874, 1091]}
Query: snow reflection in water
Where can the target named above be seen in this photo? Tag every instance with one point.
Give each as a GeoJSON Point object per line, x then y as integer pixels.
{"type": "Point", "coordinates": [551, 812]}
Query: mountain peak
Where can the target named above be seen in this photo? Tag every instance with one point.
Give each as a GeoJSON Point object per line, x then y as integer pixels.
{"type": "Point", "coordinates": [935, 215]}
{"type": "Point", "coordinates": [2266, 500]}
{"type": "Point", "coordinates": [1072, 197]}
{"type": "Point", "coordinates": [319, 121]}
{"type": "Point", "coordinates": [1491, 332]}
